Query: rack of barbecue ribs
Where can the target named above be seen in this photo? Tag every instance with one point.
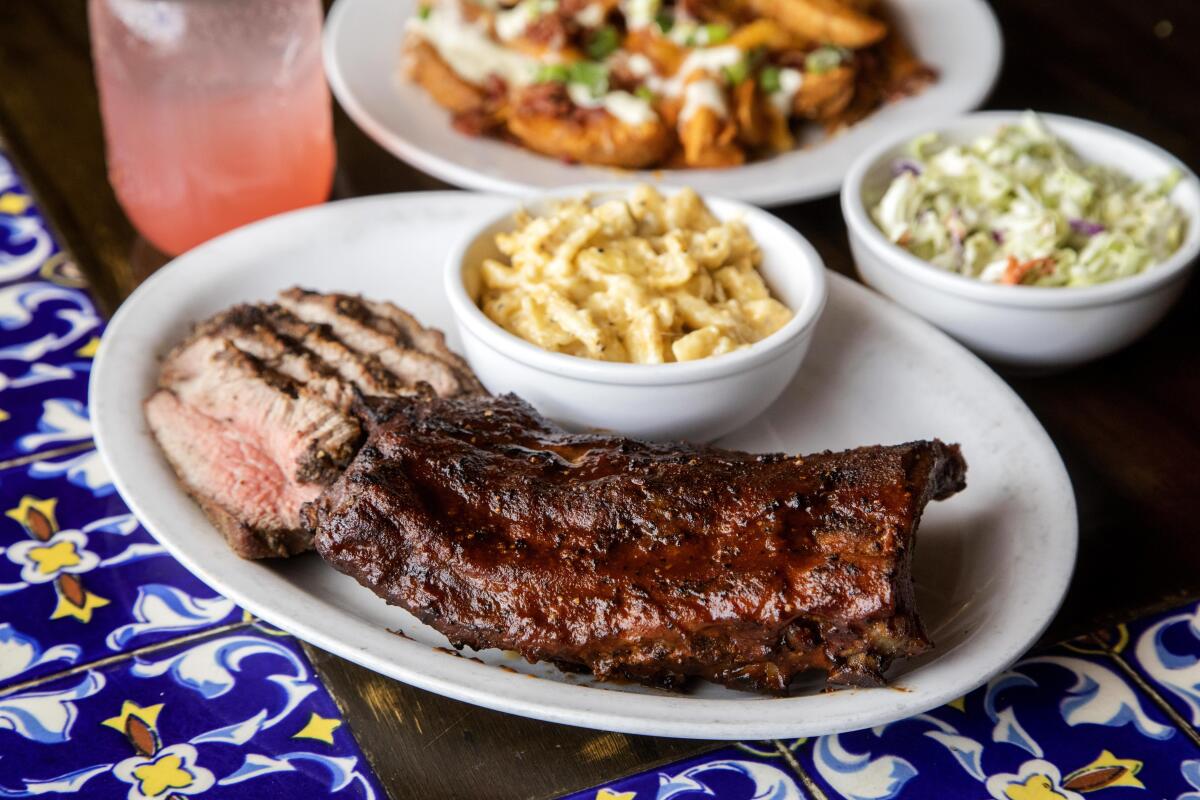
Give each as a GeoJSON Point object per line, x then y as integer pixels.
{"type": "Point", "coordinates": [651, 562]}
{"type": "Point", "coordinates": [255, 409]}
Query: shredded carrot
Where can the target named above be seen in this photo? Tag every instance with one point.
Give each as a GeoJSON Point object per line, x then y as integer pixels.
{"type": "Point", "coordinates": [1016, 271]}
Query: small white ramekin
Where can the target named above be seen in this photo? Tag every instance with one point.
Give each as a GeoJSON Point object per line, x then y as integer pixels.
{"type": "Point", "coordinates": [1030, 327]}
{"type": "Point", "coordinates": [698, 400]}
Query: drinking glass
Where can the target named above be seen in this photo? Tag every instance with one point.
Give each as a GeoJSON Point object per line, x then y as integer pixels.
{"type": "Point", "coordinates": [216, 112]}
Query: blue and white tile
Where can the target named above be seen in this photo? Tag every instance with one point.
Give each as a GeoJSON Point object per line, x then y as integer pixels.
{"type": "Point", "coordinates": [1164, 649]}
{"type": "Point", "coordinates": [49, 329]}
{"type": "Point", "coordinates": [234, 715]}
{"type": "Point", "coordinates": [750, 771]}
{"type": "Point", "coordinates": [80, 579]}
{"type": "Point", "coordinates": [1053, 727]}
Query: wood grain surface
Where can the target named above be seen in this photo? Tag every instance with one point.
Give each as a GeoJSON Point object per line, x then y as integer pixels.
{"type": "Point", "coordinates": [1128, 426]}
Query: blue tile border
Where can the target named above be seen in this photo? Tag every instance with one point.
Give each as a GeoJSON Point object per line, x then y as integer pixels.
{"type": "Point", "coordinates": [80, 579]}
{"type": "Point", "coordinates": [1060, 724]}
{"type": "Point", "coordinates": [235, 714]}
{"type": "Point", "coordinates": [49, 329]}
{"type": "Point", "coordinates": [751, 771]}
{"type": "Point", "coordinates": [1163, 649]}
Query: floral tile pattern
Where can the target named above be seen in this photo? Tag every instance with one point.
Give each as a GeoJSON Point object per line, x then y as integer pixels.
{"type": "Point", "coordinates": [750, 771]}
{"type": "Point", "coordinates": [233, 715]}
{"type": "Point", "coordinates": [49, 331]}
{"type": "Point", "coordinates": [1164, 650]}
{"type": "Point", "coordinates": [1059, 725]}
{"type": "Point", "coordinates": [80, 579]}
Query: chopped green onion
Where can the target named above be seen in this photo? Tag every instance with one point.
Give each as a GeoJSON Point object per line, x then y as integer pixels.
{"type": "Point", "coordinates": [590, 74]}
{"type": "Point", "coordinates": [644, 93]}
{"type": "Point", "coordinates": [603, 42]}
{"type": "Point", "coordinates": [424, 11]}
{"type": "Point", "coordinates": [736, 73]}
{"type": "Point", "coordinates": [825, 58]}
{"type": "Point", "coordinates": [714, 33]}
{"type": "Point", "coordinates": [768, 79]}
{"type": "Point", "coordinates": [552, 73]}
{"type": "Point", "coordinates": [665, 21]}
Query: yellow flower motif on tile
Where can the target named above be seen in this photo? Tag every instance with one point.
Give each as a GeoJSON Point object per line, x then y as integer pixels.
{"type": "Point", "coordinates": [147, 714]}
{"type": "Point", "coordinates": [54, 558]}
{"type": "Point", "coordinates": [162, 774]}
{"type": "Point", "coordinates": [960, 704]}
{"type": "Point", "coordinates": [1035, 787]}
{"type": "Point", "coordinates": [89, 349]}
{"type": "Point", "coordinates": [4, 415]}
{"type": "Point", "coordinates": [12, 203]}
{"type": "Point", "coordinates": [319, 728]}
{"type": "Point", "coordinates": [30, 507]}
{"type": "Point", "coordinates": [609, 794]}
{"type": "Point", "coordinates": [1107, 770]}
{"type": "Point", "coordinates": [67, 607]}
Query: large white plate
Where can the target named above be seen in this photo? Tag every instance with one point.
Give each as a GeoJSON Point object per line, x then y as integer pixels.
{"type": "Point", "coordinates": [991, 567]}
{"type": "Point", "coordinates": [960, 38]}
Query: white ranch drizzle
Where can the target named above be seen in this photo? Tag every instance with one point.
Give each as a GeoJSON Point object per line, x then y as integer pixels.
{"type": "Point", "coordinates": [469, 50]}
{"type": "Point", "coordinates": [790, 81]}
{"type": "Point", "coordinates": [624, 106]}
{"type": "Point", "coordinates": [703, 93]}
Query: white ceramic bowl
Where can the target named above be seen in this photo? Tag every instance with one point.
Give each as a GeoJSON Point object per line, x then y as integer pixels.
{"type": "Point", "coordinates": [697, 400]}
{"type": "Point", "coordinates": [1025, 326]}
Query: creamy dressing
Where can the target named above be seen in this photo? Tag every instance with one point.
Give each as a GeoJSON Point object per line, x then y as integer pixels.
{"type": "Point", "coordinates": [590, 16]}
{"type": "Point", "coordinates": [708, 93]}
{"type": "Point", "coordinates": [700, 94]}
{"type": "Point", "coordinates": [639, 13]}
{"type": "Point", "coordinates": [790, 81]}
{"type": "Point", "coordinates": [624, 106]}
{"type": "Point", "coordinates": [469, 50]}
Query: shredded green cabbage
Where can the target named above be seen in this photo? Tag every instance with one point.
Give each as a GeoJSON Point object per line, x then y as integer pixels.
{"type": "Point", "coordinates": [1020, 207]}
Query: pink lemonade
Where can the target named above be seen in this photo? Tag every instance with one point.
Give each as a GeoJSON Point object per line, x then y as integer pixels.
{"type": "Point", "coordinates": [208, 125]}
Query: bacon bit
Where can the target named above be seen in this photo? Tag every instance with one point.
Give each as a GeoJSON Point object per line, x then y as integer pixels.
{"type": "Point", "coordinates": [1016, 271]}
{"type": "Point", "coordinates": [904, 239]}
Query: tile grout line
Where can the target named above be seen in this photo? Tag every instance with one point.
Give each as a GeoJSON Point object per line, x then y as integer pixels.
{"type": "Point", "coordinates": [45, 454]}
{"type": "Point", "coordinates": [1176, 718]}
{"type": "Point", "coordinates": [804, 777]}
{"type": "Point", "coordinates": [118, 657]}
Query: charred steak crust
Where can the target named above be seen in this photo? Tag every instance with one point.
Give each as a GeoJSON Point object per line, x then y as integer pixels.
{"type": "Point", "coordinates": [653, 562]}
{"type": "Point", "coordinates": [257, 409]}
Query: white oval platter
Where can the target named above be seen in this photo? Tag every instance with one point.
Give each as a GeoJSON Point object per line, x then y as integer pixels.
{"type": "Point", "coordinates": [991, 567]}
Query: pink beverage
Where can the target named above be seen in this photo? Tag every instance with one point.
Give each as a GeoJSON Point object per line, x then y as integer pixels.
{"type": "Point", "coordinates": [216, 112]}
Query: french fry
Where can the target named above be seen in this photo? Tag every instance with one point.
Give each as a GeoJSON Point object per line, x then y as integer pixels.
{"type": "Point", "coordinates": [708, 141]}
{"type": "Point", "coordinates": [426, 67]}
{"type": "Point", "coordinates": [662, 52]}
{"type": "Point", "coordinates": [827, 21]}
{"type": "Point", "coordinates": [826, 94]}
{"type": "Point", "coordinates": [601, 139]}
{"type": "Point", "coordinates": [767, 34]}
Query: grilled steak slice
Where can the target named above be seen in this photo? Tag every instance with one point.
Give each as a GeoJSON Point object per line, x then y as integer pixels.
{"type": "Point", "coordinates": [256, 413]}
{"type": "Point", "coordinates": [380, 329]}
{"type": "Point", "coordinates": [654, 562]}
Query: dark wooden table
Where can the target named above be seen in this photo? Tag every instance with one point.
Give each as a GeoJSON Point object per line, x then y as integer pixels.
{"type": "Point", "coordinates": [1128, 426]}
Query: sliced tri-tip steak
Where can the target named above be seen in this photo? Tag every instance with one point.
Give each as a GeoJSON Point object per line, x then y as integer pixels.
{"type": "Point", "coordinates": [414, 353]}
{"type": "Point", "coordinates": [257, 409]}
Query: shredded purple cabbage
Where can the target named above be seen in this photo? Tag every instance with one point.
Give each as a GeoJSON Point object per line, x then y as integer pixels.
{"type": "Point", "coordinates": [903, 165]}
{"type": "Point", "coordinates": [1086, 227]}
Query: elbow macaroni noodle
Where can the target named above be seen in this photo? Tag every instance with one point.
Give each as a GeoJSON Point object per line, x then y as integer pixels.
{"type": "Point", "coordinates": [648, 279]}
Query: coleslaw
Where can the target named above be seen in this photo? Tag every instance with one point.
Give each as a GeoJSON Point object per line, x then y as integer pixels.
{"type": "Point", "coordinates": [1020, 207]}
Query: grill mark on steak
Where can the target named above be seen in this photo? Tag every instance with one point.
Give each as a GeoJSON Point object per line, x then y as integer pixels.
{"type": "Point", "coordinates": [356, 324]}
{"type": "Point", "coordinates": [654, 562]}
{"type": "Point", "coordinates": [257, 412]}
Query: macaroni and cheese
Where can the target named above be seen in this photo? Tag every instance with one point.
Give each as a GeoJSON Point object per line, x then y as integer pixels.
{"type": "Point", "coordinates": [647, 279]}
